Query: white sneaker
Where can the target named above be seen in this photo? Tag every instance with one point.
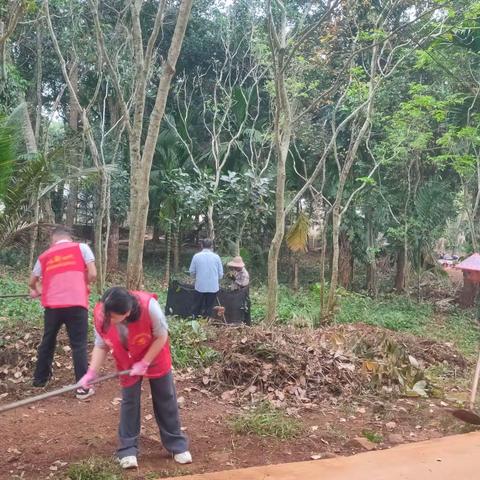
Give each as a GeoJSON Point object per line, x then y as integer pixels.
{"type": "Point", "coordinates": [183, 458]}
{"type": "Point", "coordinates": [128, 462]}
{"type": "Point", "coordinates": [84, 393]}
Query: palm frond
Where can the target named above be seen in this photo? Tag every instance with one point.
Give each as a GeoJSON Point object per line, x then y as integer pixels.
{"type": "Point", "coordinates": [297, 236]}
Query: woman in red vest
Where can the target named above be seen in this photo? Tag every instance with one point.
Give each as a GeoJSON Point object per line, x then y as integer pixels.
{"type": "Point", "coordinates": [132, 326]}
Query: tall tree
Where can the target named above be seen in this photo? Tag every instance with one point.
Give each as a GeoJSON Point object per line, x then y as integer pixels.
{"type": "Point", "coordinates": [142, 139]}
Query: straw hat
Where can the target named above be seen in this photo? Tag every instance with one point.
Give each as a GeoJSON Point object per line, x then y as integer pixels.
{"type": "Point", "coordinates": [236, 262]}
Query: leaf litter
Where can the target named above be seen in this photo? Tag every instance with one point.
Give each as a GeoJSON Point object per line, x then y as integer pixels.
{"type": "Point", "coordinates": [288, 365]}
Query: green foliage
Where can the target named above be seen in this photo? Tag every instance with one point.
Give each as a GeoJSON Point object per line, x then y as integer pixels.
{"type": "Point", "coordinates": [301, 306]}
{"type": "Point", "coordinates": [392, 312]}
{"type": "Point", "coordinates": [266, 421]}
{"type": "Point", "coordinates": [399, 313]}
{"type": "Point", "coordinates": [17, 310]}
{"type": "Point", "coordinates": [188, 344]}
{"type": "Point", "coordinates": [94, 468]}
{"type": "Point", "coordinates": [372, 436]}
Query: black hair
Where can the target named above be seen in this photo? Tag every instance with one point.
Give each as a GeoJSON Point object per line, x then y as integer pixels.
{"type": "Point", "coordinates": [206, 243]}
{"type": "Point", "coordinates": [62, 230]}
{"type": "Point", "coordinates": [119, 300]}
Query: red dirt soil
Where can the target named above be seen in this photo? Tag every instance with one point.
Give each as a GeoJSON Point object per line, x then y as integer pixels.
{"type": "Point", "coordinates": [67, 430]}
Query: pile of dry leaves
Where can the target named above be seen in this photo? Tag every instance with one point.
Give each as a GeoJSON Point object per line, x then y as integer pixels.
{"type": "Point", "coordinates": [304, 365]}
{"type": "Point", "coordinates": [18, 355]}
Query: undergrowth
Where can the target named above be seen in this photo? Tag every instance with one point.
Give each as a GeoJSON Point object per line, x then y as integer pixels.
{"type": "Point", "coordinates": [394, 312]}
{"type": "Point", "coordinates": [266, 421]}
{"type": "Point", "coordinates": [94, 468]}
{"type": "Point", "coordinates": [15, 310]}
{"type": "Point", "coordinates": [188, 344]}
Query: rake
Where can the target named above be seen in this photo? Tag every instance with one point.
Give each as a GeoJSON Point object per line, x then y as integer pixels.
{"type": "Point", "coordinates": [59, 391]}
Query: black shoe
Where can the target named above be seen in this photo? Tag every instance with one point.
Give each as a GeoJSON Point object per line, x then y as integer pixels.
{"type": "Point", "coordinates": [39, 383]}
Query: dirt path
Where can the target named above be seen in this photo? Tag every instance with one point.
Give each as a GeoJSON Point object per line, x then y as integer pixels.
{"type": "Point", "coordinates": [41, 440]}
{"type": "Point", "coordinates": [443, 459]}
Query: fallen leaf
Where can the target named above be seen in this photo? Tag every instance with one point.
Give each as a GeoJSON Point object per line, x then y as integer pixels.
{"type": "Point", "coordinates": [228, 395]}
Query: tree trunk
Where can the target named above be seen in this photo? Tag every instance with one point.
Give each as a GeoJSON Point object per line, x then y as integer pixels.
{"type": "Point", "coordinates": [274, 252]}
{"type": "Point", "coordinates": [345, 261]}
{"type": "Point", "coordinates": [401, 266]}
{"type": "Point", "coordinates": [31, 147]}
{"type": "Point", "coordinates": [282, 135]}
{"type": "Point", "coordinates": [323, 256]}
{"type": "Point", "coordinates": [371, 280]}
{"type": "Point", "coordinates": [113, 247]}
{"type": "Point", "coordinates": [28, 133]}
{"type": "Point", "coordinates": [176, 249]}
{"type": "Point", "coordinates": [38, 72]}
{"type": "Point", "coordinates": [210, 224]}
{"type": "Point", "coordinates": [336, 218]}
{"type": "Point", "coordinates": [168, 255]}
{"type": "Point", "coordinates": [140, 171]}
{"type": "Point", "coordinates": [236, 248]}
{"type": "Point", "coordinates": [75, 158]}
{"type": "Point", "coordinates": [295, 272]}
{"type": "Point", "coordinates": [33, 236]}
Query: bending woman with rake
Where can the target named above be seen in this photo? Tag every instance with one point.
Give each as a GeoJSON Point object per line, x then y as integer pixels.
{"type": "Point", "coordinates": [132, 326]}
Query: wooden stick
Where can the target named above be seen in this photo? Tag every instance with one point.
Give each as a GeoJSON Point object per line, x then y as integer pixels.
{"type": "Point", "coordinates": [60, 391]}
{"type": "Point", "coordinates": [475, 384]}
{"type": "Point", "coordinates": [17, 295]}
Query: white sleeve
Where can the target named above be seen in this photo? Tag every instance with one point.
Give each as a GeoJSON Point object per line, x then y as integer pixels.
{"type": "Point", "coordinates": [87, 253]}
{"type": "Point", "coordinates": [99, 342]}
{"type": "Point", "coordinates": [37, 269]}
{"type": "Point", "coordinates": [159, 322]}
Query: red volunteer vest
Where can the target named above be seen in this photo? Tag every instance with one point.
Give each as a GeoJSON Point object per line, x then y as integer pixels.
{"type": "Point", "coordinates": [64, 276]}
{"type": "Point", "coordinates": [140, 337]}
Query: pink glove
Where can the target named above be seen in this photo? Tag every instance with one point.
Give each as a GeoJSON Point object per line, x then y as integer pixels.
{"type": "Point", "coordinates": [139, 368]}
{"type": "Point", "coordinates": [84, 382]}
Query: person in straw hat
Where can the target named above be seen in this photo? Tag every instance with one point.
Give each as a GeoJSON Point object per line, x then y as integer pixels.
{"type": "Point", "coordinates": [239, 274]}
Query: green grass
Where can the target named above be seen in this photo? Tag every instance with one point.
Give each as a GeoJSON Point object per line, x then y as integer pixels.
{"type": "Point", "coordinates": [402, 314]}
{"type": "Point", "coordinates": [393, 312]}
{"type": "Point", "coordinates": [94, 468]}
{"type": "Point", "coordinates": [17, 310]}
{"type": "Point", "coordinates": [292, 306]}
{"type": "Point", "coordinates": [266, 421]}
{"type": "Point", "coordinates": [372, 436]}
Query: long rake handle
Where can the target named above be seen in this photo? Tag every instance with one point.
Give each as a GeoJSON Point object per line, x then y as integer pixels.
{"type": "Point", "coordinates": [473, 394]}
{"type": "Point", "coordinates": [16, 295]}
{"type": "Point", "coordinates": [59, 391]}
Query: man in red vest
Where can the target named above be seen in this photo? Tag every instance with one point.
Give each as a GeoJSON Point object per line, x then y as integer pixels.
{"type": "Point", "coordinates": [61, 277]}
{"type": "Point", "coordinates": [132, 326]}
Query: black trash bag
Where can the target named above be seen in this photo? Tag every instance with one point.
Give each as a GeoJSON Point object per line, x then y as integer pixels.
{"type": "Point", "coordinates": [236, 303]}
